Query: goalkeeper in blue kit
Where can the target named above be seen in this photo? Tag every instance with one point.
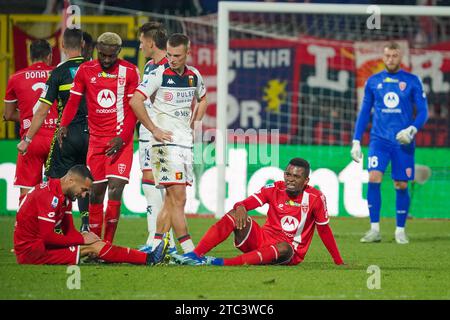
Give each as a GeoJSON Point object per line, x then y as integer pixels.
{"type": "Point", "coordinates": [392, 94]}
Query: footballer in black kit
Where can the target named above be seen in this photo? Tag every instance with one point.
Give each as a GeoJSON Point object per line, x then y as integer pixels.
{"type": "Point", "coordinates": [75, 144]}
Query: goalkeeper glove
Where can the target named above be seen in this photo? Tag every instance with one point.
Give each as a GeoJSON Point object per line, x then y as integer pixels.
{"type": "Point", "coordinates": [356, 151]}
{"type": "Point", "coordinates": [406, 136]}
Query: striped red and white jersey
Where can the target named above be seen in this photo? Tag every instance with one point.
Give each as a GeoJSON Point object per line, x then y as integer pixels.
{"type": "Point", "coordinates": [174, 96]}
{"type": "Point", "coordinates": [108, 94]}
{"type": "Point", "coordinates": [294, 218]}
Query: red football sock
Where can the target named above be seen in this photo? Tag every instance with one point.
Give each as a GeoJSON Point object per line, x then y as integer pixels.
{"type": "Point", "coordinates": [112, 216]}
{"type": "Point", "coordinates": [216, 234]}
{"type": "Point", "coordinates": [117, 254]}
{"type": "Point", "coordinates": [96, 218]}
{"type": "Point", "coordinates": [264, 255]}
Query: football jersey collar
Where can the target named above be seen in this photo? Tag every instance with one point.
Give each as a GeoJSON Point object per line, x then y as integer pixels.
{"type": "Point", "coordinates": [39, 65]}
{"type": "Point", "coordinates": [184, 71]}
{"type": "Point", "coordinates": [297, 198]}
{"type": "Point", "coordinates": [55, 187]}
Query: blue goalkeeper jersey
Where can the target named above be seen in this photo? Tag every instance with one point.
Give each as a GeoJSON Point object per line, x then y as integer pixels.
{"type": "Point", "coordinates": [392, 96]}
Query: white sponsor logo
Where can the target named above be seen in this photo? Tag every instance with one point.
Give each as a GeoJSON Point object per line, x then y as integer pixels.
{"type": "Point", "coordinates": [289, 223]}
{"type": "Point", "coordinates": [51, 214]}
{"type": "Point", "coordinates": [391, 100]}
{"type": "Point", "coordinates": [93, 80]}
{"type": "Point", "coordinates": [113, 110]}
{"type": "Point", "coordinates": [26, 123]}
{"type": "Point", "coordinates": [168, 96]}
{"type": "Point", "coordinates": [36, 74]}
{"type": "Point", "coordinates": [106, 98]}
{"type": "Point", "coordinates": [170, 81]}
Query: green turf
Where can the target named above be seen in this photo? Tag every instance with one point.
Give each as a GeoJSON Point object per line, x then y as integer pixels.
{"type": "Point", "coordinates": [419, 270]}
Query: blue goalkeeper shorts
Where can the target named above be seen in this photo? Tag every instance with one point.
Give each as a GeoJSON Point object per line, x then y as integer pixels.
{"type": "Point", "coordinates": [400, 156]}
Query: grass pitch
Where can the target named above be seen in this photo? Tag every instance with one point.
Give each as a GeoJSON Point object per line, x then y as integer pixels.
{"type": "Point", "coordinates": [419, 270]}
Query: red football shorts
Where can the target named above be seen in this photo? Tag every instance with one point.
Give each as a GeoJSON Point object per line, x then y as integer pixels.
{"type": "Point", "coordinates": [39, 254]}
{"type": "Point", "coordinates": [259, 237]}
{"type": "Point", "coordinates": [103, 167]}
{"type": "Point", "coordinates": [29, 166]}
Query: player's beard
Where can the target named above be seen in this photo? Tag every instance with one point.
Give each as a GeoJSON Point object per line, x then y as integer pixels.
{"type": "Point", "coordinates": [71, 196]}
{"type": "Point", "coordinates": [393, 69]}
{"type": "Point", "coordinates": [106, 67]}
{"type": "Point", "coordinates": [293, 194]}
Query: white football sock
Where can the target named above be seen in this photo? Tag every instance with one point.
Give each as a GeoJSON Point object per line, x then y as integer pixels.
{"type": "Point", "coordinates": [154, 198]}
{"type": "Point", "coordinates": [172, 239]}
{"type": "Point", "coordinates": [187, 246]}
{"type": "Point", "coordinates": [399, 230]}
{"type": "Point", "coordinates": [375, 226]}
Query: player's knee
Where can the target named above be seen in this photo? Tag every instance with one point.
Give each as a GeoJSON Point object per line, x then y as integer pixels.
{"type": "Point", "coordinates": [98, 193]}
{"type": "Point", "coordinates": [115, 189]}
{"type": "Point", "coordinates": [375, 176]}
{"type": "Point", "coordinates": [93, 248]}
{"type": "Point", "coordinates": [284, 250]}
{"type": "Point", "coordinates": [400, 185]}
{"type": "Point", "coordinates": [148, 175]}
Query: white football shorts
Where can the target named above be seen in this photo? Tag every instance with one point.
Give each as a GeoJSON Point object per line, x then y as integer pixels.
{"type": "Point", "coordinates": [172, 164]}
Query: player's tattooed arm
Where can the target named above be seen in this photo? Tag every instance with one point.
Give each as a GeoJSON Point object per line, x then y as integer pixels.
{"type": "Point", "coordinates": [60, 135]}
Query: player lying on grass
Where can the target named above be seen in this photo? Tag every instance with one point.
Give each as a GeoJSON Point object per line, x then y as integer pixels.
{"type": "Point", "coordinates": [294, 210]}
{"type": "Point", "coordinates": [49, 205]}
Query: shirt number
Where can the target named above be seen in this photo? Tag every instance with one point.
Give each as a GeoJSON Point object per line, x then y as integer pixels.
{"type": "Point", "coordinates": [373, 162]}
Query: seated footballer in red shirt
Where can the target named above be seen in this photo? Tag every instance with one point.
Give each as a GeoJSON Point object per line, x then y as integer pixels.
{"type": "Point", "coordinates": [295, 209]}
{"type": "Point", "coordinates": [49, 205]}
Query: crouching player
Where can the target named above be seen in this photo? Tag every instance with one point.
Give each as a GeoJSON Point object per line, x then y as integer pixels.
{"type": "Point", "coordinates": [295, 209]}
{"type": "Point", "coordinates": [49, 205]}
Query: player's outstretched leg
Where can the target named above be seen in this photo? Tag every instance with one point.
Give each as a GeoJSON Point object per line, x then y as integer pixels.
{"type": "Point", "coordinates": [215, 235]}
{"type": "Point", "coordinates": [278, 253]}
{"type": "Point", "coordinates": [108, 252]}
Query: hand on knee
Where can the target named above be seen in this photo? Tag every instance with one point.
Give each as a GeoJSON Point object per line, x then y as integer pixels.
{"type": "Point", "coordinates": [93, 249]}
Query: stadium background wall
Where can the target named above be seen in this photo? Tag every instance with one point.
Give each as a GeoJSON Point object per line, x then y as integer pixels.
{"type": "Point", "coordinates": [15, 28]}
{"type": "Point", "coordinates": [250, 166]}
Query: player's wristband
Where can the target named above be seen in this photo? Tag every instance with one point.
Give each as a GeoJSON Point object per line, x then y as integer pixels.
{"type": "Point", "coordinates": [27, 139]}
